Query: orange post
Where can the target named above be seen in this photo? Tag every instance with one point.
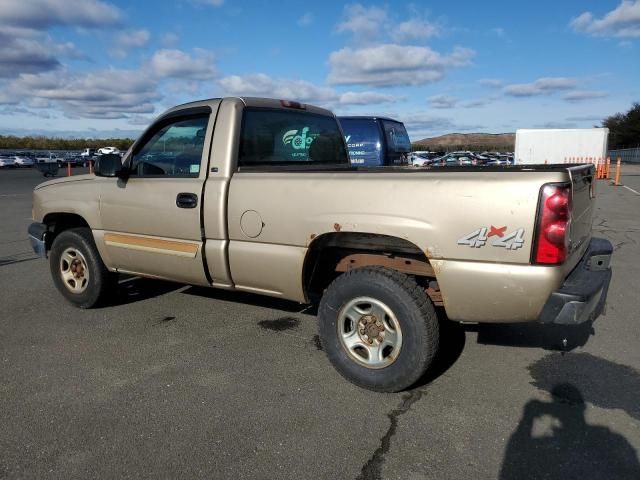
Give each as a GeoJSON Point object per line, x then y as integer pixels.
{"type": "Point", "coordinates": [607, 169]}
{"type": "Point", "coordinates": [617, 182]}
{"type": "Point", "coordinates": [600, 170]}
{"type": "Point", "coordinates": [68, 169]}
{"type": "Point", "coordinates": [90, 166]}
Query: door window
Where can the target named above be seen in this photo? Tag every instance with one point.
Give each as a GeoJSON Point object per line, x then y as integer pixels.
{"type": "Point", "coordinates": [174, 150]}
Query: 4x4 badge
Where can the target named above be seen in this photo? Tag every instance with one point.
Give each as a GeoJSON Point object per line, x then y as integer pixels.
{"type": "Point", "coordinates": [478, 238]}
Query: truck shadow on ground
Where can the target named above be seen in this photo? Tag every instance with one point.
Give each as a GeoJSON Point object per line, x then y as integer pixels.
{"type": "Point", "coordinates": [137, 289]}
{"type": "Point", "coordinates": [534, 335]}
{"type": "Point", "coordinates": [251, 299]}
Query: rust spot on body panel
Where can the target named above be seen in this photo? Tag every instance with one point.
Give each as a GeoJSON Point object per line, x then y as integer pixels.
{"type": "Point", "coordinates": [407, 265]}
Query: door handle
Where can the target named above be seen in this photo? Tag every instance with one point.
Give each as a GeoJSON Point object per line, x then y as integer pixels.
{"type": "Point", "coordinates": [187, 200]}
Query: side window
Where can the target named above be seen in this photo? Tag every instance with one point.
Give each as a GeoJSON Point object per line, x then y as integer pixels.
{"type": "Point", "coordinates": [283, 137]}
{"type": "Point", "coordinates": [397, 137]}
{"type": "Point", "coordinates": [174, 150]}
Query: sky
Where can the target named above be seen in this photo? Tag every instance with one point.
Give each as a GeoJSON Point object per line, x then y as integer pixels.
{"type": "Point", "coordinates": [97, 68]}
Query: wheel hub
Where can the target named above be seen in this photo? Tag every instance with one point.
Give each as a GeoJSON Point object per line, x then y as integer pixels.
{"type": "Point", "coordinates": [370, 329]}
{"type": "Point", "coordinates": [369, 332]}
{"type": "Point", "coordinates": [74, 270]}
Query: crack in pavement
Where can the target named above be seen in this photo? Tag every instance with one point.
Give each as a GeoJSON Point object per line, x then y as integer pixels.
{"type": "Point", "coordinates": [372, 470]}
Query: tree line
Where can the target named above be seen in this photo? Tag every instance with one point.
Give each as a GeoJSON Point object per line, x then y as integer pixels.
{"type": "Point", "coordinates": [624, 128]}
{"type": "Point", "coordinates": [52, 143]}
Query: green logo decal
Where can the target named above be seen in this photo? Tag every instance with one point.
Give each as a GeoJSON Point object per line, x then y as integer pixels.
{"type": "Point", "coordinates": [298, 142]}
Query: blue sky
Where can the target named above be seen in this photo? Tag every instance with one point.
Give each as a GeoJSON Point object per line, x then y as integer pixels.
{"type": "Point", "coordinates": [103, 68]}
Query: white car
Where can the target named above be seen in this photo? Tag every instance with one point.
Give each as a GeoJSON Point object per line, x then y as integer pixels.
{"type": "Point", "coordinates": [23, 161]}
{"type": "Point", "coordinates": [107, 150]}
{"type": "Point", "coordinates": [6, 162]}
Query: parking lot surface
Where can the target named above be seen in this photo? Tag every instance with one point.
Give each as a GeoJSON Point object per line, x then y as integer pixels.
{"type": "Point", "coordinates": [177, 381]}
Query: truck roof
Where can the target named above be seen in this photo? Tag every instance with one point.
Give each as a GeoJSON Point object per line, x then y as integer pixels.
{"type": "Point", "coordinates": [254, 102]}
{"type": "Point", "coordinates": [367, 117]}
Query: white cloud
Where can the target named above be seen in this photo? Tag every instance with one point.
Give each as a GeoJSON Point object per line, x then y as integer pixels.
{"type": "Point", "coordinates": [420, 125]}
{"type": "Point", "coordinates": [40, 14]}
{"type": "Point", "coordinates": [365, 98]}
{"type": "Point", "coordinates": [30, 51]}
{"type": "Point", "coordinates": [623, 21]}
{"type": "Point", "coordinates": [305, 20]}
{"type": "Point", "coordinates": [490, 82]}
{"type": "Point", "coordinates": [100, 94]}
{"type": "Point", "coordinates": [542, 86]}
{"type": "Point", "coordinates": [414, 29]}
{"type": "Point", "coordinates": [24, 55]}
{"type": "Point", "coordinates": [169, 39]}
{"type": "Point", "coordinates": [479, 102]}
{"type": "Point", "coordinates": [442, 101]}
{"type": "Point", "coordinates": [261, 85]}
{"type": "Point", "coordinates": [363, 22]}
{"type": "Point", "coordinates": [173, 63]}
{"type": "Point", "coordinates": [583, 95]}
{"type": "Point", "coordinates": [392, 64]}
{"type": "Point", "coordinates": [128, 40]}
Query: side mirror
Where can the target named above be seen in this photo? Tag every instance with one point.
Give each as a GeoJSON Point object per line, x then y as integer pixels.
{"type": "Point", "coordinates": [109, 165]}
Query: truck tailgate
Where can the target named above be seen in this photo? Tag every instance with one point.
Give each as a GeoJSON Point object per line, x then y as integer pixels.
{"type": "Point", "coordinates": [583, 201]}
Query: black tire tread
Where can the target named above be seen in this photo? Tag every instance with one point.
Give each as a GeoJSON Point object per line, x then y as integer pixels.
{"type": "Point", "coordinates": [430, 337]}
{"type": "Point", "coordinates": [103, 281]}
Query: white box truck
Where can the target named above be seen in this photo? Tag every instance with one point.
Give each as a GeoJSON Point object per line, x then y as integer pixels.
{"type": "Point", "coordinates": [535, 146]}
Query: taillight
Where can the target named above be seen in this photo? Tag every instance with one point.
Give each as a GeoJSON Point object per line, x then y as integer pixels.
{"type": "Point", "coordinates": [554, 224]}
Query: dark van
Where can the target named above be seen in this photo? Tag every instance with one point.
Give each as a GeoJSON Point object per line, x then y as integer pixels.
{"type": "Point", "coordinates": [376, 141]}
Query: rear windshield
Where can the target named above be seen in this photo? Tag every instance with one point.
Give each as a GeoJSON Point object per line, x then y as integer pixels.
{"type": "Point", "coordinates": [283, 137]}
{"type": "Point", "coordinates": [397, 137]}
{"type": "Point", "coordinates": [363, 140]}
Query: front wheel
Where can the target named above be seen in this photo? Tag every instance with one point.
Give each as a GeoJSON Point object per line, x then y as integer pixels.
{"type": "Point", "coordinates": [378, 328]}
{"type": "Point", "coordinates": [77, 269]}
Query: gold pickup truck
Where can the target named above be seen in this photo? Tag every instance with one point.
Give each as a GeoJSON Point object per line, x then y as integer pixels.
{"type": "Point", "coordinates": [258, 195]}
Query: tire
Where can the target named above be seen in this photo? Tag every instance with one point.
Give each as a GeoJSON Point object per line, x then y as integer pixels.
{"type": "Point", "coordinates": [402, 305]}
{"type": "Point", "coordinates": [78, 271]}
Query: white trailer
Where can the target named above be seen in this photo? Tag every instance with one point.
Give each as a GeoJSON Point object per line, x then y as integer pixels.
{"type": "Point", "coordinates": [535, 146]}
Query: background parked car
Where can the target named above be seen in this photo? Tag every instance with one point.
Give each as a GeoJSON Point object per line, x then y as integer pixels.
{"type": "Point", "coordinates": [6, 162]}
{"type": "Point", "coordinates": [422, 158]}
{"type": "Point", "coordinates": [108, 150]}
{"type": "Point", "coordinates": [22, 161]}
{"type": "Point", "coordinates": [456, 158]}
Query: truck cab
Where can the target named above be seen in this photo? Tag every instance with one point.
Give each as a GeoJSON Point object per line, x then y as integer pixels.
{"type": "Point", "coordinates": [376, 141]}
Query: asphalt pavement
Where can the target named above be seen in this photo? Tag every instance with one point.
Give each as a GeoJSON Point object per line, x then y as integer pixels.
{"type": "Point", "coordinates": [175, 381]}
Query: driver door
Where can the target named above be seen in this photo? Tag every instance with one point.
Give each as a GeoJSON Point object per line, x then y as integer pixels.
{"type": "Point", "coordinates": [151, 220]}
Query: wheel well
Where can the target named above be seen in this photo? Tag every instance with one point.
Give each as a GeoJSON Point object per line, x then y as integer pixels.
{"type": "Point", "coordinates": [59, 222]}
{"type": "Point", "coordinates": [334, 253]}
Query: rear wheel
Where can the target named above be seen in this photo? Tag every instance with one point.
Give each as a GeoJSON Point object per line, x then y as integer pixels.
{"type": "Point", "coordinates": [77, 269]}
{"type": "Point", "coordinates": [378, 328]}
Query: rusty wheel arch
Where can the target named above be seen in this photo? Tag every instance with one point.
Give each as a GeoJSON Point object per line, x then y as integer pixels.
{"type": "Point", "coordinates": [333, 253]}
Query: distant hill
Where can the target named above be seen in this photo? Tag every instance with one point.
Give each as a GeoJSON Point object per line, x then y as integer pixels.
{"type": "Point", "coordinates": [471, 141]}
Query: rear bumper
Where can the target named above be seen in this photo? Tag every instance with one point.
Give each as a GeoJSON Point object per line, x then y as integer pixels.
{"type": "Point", "coordinates": [37, 237]}
{"type": "Point", "coordinates": [582, 296]}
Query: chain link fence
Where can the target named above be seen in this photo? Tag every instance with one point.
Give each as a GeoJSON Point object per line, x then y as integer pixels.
{"type": "Point", "coordinates": [627, 155]}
